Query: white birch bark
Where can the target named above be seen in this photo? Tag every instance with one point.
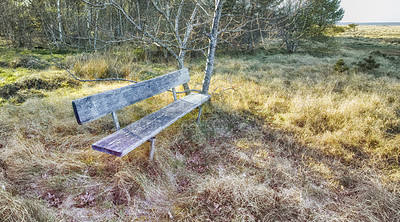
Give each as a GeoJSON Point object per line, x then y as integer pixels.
{"type": "Point", "coordinates": [212, 46]}
{"type": "Point", "coordinates": [96, 29]}
{"type": "Point", "coordinates": [59, 21]}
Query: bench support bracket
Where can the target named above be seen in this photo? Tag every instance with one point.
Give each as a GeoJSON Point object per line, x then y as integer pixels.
{"type": "Point", "coordinates": [153, 147]}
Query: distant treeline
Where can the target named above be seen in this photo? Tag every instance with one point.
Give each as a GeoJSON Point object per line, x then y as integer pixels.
{"type": "Point", "coordinates": [370, 23]}
{"type": "Point", "coordinates": [96, 24]}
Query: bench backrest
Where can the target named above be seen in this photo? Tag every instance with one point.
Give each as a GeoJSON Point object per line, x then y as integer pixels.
{"type": "Point", "coordinates": [95, 106]}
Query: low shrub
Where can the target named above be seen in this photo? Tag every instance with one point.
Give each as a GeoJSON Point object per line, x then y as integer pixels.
{"type": "Point", "coordinates": [340, 66]}
{"type": "Point", "coordinates": [27, 62]}
{"type": "Point", "coordinates": [9, 90]}
{"type": "Point", "coordinates": [3, 64]}
{"type": "Point", "coordinates": [368, 64]}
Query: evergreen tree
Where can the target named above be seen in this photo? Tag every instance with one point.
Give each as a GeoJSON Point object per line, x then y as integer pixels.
{"type": "Point", "coordinates": [307, 19]}
{"type": "Point", "coordinates": [321, 15]}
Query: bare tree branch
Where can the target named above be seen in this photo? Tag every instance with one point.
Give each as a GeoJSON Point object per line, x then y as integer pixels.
{"type": "Point", "coordinates": [222, 91]}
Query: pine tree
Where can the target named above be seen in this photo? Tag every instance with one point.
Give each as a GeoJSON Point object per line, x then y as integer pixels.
{"type": "Point", "coordinates": [307, 19]}
{"type": "Point", "coordinates": [321, 15]}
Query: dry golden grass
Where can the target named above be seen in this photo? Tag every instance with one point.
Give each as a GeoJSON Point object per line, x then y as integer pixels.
{"type": "Point", "coordinates": [353, 115]}
{"type": "Point", "coordinates": [375, 31]}
{"type": "Point", "coordinates": [296, 141]}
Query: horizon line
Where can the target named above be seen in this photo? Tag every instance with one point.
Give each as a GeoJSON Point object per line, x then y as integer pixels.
{"type": "Point", "coordinates": [369, 22]}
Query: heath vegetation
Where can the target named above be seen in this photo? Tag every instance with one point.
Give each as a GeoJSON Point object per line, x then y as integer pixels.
{"type": "Point", "coordinates": [311, 136]}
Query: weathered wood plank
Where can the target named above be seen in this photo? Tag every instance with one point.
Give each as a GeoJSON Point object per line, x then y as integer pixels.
{"type": "Point", "coordinates": [95, 106]}
{"type": "Point", "coordinates": [125, 140]}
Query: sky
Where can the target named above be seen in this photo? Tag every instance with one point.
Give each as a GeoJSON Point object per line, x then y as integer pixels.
{"type": "Point", "coordinates": [371, 10]}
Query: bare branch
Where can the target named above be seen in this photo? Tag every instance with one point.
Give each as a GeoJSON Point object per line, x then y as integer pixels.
{"type": "Point", "coordinates": [178, 15]}
{"type": "Point", "coordinates": [186, 91]}
{"type": "Point", "coordinates": [100, 5]}
{"type": "Point", "coordinates": [222, 91]}
{"type": "Point", "coordinates": [167, 18]}
{"type": "Point", "coordinates": [205, 11]}
{"type": "Point", "coordinates": [189, 25]}
{"type": "Point", "coordinates": [143, 30]}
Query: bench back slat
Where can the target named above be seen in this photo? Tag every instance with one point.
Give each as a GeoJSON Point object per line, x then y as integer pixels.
{"type": "Point", "coordinates": [95, 106]}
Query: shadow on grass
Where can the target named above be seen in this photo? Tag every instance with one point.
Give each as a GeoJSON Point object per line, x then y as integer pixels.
{"type": "Point", "coordinates": [244, 169]}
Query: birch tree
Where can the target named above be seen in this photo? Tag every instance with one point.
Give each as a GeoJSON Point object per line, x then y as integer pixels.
{"type": "Point", "coordinates": [175, 26]}
{"type": "Point", "coordinates": [213, 39]}
{"type": "Point", "coordinates": [245, 23]}
{"type": "Point", "coordinates": [60, 31]}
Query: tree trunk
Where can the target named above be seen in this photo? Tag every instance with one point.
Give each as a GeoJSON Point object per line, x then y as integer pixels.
{"type": "Point", "coordinates": [212, 46]}
{"type": "Point", "coordinates": [96, 30]}
{"type": "Point", "coordinates": [291, 45]}
{"type": "Point", "coordinates": [60, 33]}
{"type": "Point", "coordinates": [180, 58]}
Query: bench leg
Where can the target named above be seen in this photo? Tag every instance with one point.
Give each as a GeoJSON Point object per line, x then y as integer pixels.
{"type": "Point", "coordinates": [198, 117]}
{"type": "Point", "coordinates": [116, 122]}
{"type": "Point", "coordinates": [153, 148]}
{"type": "Point", "coordinates": [174, 93]}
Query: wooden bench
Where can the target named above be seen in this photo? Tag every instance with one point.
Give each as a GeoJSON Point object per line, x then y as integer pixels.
{"type": "Point", "coordinates": [125, 140]}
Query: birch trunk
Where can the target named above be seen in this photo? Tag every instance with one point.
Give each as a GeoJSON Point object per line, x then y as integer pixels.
{"type": "Point", "coordinates": [89, 17]}
{"type": "Point", "coordinates": [59, 21]}
{"type": "Point", "coordinates": [180, 59]}
{"type": "Point", "coordinates": [96, 29]}
{"type": "Point", "coordinates": [212, 46]}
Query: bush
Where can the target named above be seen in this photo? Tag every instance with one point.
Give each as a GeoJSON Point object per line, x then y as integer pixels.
{"type": "Point", "coordinates": [27, 62]}
{"type": "Point", "coordinates": [340, 66]}
{"type": "Point", "coordinates": [31, 84]}
{"type": "Point", "coordinates": [9, 90]}
{"type": "Point", "coordinates": [99, 66]}
{"type": "Point", "coordinates": [368, 64]}
{"type": "Point", "coordinates": [352, 27]}
{"type": "Point", "coordinates": [3, 64]}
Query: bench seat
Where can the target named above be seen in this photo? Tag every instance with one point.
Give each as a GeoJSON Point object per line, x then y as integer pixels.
{"type": "Point", "coordinates": [125, 140]}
